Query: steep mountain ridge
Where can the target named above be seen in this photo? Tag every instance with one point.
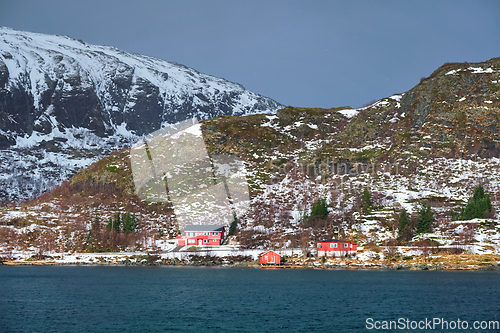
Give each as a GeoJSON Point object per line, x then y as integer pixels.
{"type": "Point", "coordinates": [458, 102]}
{"type": "Point", "coordinates": [452, 113]}
{"type": "Point", "coordinates": [63, 103]}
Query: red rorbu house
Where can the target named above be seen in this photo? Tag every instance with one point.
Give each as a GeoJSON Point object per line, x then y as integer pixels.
{"type": "Point", "coordinates": [335, 247]}
{"type": "Point", "coordinates": [197, 235]}
{"type": "Point", "coordinates": [270, 258]}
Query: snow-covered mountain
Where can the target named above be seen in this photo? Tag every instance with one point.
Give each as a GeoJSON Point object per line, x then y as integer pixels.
{"type": "Point", "coordinates": [63, 103]}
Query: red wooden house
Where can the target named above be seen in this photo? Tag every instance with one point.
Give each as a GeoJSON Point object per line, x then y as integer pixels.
{"type": "Point", "coordinates": [270, 258]}
{"type": "Point", "coordinates": [201, 235]}
{"type": "Point", "coordinates": [335, 247]}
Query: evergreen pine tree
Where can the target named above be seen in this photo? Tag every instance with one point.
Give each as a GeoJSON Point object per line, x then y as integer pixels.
{"type": "Point", "coordinates": [477, 206]}
{"type": "Point", "coordinates": [109, 225]}
{"type": "Point", "coordinates": [367, 197]}
{"type": "Point", "coordinates": [234, 224]}
{"type": "Point", "coordinates": [404, 224]}
{"type": "Point", "coordinates": [319, 209]}
{"type": "Point", "coordinates": [114, 223]}
{"type": "Point", "coordinates": [129, 223]}
{"type": "Point", "coordinates": [366, 201]}
{"type": "Point", "coordinates": [425, 219]}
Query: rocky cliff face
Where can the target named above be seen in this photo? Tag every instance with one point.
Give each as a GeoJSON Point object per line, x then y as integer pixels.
{"type": "Point", "coordinates": [453, 113]}
{"type": "Point", "coordinates": [54, 81]}
{"type": "Point", "coordinates": [77, 101]}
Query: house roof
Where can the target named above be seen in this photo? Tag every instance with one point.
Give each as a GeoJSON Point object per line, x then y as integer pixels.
{"type": "Point", "coordinates": [268, 252]}
{"type": "Point", "coordinates": [193, 227]}
{"type": "Point", "coordinates": [334, 240]}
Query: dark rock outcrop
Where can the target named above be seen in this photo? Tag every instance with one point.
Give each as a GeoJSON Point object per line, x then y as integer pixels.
{"type": "Point", "coordinates": [98, 99]}
{"type": "Point", "coordinates": [49, 82]}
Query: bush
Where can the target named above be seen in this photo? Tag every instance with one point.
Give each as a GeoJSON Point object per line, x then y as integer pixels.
{"type": "Point", "coordinates": [373, 247]}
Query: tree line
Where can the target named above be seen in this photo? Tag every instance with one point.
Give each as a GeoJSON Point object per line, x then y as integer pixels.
{"type": "Point", "coordinates": [478, 206]}
{"type": "Point", "coordinates": [121, 232]}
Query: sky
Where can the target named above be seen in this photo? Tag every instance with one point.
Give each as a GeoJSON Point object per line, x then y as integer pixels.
{"type": "Point", "coordinates": [300, 53]}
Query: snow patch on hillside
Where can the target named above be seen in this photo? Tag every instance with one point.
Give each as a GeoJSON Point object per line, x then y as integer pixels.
{"type": "Point", "coordinates": [349, 113]}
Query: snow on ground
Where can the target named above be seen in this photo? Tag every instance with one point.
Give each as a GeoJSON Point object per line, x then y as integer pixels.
{"type": "Point", "coordinates": [349, 113]}
{"type": "Point", "coordinates": [452, 179]}
{"type": "Point", "coordinates": [475, 70]}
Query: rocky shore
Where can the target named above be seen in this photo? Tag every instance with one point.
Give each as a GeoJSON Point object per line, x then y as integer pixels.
{"type": "Point", "coordinates": [450, 262]}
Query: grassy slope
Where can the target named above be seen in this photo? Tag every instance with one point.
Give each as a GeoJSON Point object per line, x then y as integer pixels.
{"type": "Point", "coordinates": [418, 143]}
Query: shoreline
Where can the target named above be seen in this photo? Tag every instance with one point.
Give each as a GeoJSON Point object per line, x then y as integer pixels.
{"type": "Point", "coordinates": [394, 267]}
{"type": "Point", "coordinates": [440, 261]}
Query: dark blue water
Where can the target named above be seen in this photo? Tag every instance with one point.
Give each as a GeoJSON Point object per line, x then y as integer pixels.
{"type": "Point", "coordinates": [184, 299]}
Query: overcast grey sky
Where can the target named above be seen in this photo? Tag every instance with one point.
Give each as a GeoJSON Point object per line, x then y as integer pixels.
{"type": "Point", "coordinates": [300, 53]}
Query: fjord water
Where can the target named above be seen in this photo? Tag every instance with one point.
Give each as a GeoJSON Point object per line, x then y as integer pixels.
{"type": "Point", "coordinates": [189, 299]}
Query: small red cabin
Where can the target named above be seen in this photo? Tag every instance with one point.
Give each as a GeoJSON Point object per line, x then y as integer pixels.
{"type": "Point", "coordinates": [335, 247]}
{"type": "Point", "coordinates": [270, 258]}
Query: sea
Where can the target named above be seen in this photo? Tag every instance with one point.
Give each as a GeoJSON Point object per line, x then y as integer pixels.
{"type": "Point", "coordinates": [217, 299]}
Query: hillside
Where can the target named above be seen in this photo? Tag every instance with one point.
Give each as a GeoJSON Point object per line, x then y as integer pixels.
{"type": "Point", "coordinates": [434, 143]}
{"type": "Point", "coordinates": [65, 103]}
